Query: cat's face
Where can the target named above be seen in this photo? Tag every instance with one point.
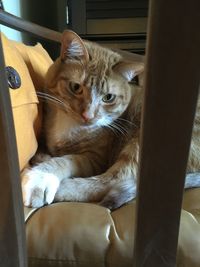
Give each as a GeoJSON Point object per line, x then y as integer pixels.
{"type": "Point", "coordinates": [91, 81]}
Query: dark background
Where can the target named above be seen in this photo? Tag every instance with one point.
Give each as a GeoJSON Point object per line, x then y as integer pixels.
{"type": "Point", "coordinates": [120, 24]}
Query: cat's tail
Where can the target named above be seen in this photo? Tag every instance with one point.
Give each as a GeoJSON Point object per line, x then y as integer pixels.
{"type": "Point", "coordinates": [125, 190]}
{"type": "Point", "coordinates": [192, 180]}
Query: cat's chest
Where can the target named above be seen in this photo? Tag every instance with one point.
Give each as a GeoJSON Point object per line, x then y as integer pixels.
{"type": "Point", "coordinates": [63, 126]}
{"type": "Point", "coordinates": [58, 128]}
{"type": "Point", "coordinates": [64, 135]}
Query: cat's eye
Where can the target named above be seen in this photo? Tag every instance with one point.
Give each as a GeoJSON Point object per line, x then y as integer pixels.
{"type": "Point", "coordinates": [75, 88]}
{"type": "Point", "coordinates": [109, 98]}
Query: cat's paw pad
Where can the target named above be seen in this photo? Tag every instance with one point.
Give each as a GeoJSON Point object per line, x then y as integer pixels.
{"type": "Point", "coordinates": [38, 188]}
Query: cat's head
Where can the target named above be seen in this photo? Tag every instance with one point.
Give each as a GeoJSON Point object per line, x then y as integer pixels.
{"type": "Point", "coordinates": [91, 81]}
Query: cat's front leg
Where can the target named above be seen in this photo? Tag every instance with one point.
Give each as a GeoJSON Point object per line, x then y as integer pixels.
{"type": "Point", "coordinates": [38, 187]}
{"type": "Point", "coordinates": [110, 189]}
{"type": "Point", "coordinates": [40, 183]}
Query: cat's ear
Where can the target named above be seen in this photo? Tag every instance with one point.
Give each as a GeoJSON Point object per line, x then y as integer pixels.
{"type": "Point", "coordinates": [129, 69]}
{"type": "Point", "coordinates": [72, 47]}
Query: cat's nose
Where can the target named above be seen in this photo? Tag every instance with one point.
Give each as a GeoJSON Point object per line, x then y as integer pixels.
{"type": "Point", "coordinates": [86, 116]}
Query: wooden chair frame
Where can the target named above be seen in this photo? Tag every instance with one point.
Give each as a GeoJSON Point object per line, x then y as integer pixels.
{"type": "Point", "coordinates": [171, 91]}
{"type": "Point", "coordinates": [12, 232]}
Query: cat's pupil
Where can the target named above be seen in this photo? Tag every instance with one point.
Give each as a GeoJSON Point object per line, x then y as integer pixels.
{"type": "Point", "coordinates": [75, 88]}
{"type": "Point", "coordinates": [109, 98]}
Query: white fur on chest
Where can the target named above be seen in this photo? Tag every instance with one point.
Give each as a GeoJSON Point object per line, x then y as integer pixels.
{"type": "Point", "coordinates": [63, 127]}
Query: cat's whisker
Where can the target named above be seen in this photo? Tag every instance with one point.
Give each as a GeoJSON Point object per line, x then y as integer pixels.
{"type": "Point", "coordinates": [125, 130]}
{"type": "Point", "coordinates": [40, 94]}
{"type": "Point", "coordinates": [59, 105]}
{"type": "Point", "coordinates": [52, 101]}
{"type": "Point", "coordinates": [119, 128]}
{"type": "Point", "coordinates": [109, 127]}
{"type": "Point", "coordinates": [57, 101]}
{"type": "Point", "coordinates": [123, 127]}
{"type": "Point", "coordinates": [50, 96]}
{"type": "Point", "coordinates": [126, 121]}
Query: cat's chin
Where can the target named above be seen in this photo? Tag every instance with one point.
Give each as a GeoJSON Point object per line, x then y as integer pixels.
{"type": "Point", "coordinates": [94, 124]}
{"type": "Point", "coordinates": [89, 125]}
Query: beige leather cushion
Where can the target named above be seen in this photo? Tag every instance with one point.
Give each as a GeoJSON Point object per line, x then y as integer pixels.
{"type": "Point", "coordinates": [78, 234]}
{"type": "Point", "coordinates": [84, 235]}
{"type": "Point", "coordinates": [31, 63]}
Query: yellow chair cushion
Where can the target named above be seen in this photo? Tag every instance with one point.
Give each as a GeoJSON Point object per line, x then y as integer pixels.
{"type": "Point", "coordinates": [31, 62]}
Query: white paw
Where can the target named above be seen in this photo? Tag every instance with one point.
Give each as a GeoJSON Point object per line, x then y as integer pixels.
{"type": "Point", "coordinates": [38, 187]}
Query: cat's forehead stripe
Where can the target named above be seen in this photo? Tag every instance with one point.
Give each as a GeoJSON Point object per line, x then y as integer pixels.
{"type": "Point", "coordinates": [96, 83]}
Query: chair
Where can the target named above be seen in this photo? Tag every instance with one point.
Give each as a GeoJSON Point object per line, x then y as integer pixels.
{"type": "Point", "coordinates": [100, 238]}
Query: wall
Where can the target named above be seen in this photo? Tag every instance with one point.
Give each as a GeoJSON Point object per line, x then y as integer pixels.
{"type": "Point", "coordinates": [44, 13]}
{"type": "Point", "coordinates": [13, 7]}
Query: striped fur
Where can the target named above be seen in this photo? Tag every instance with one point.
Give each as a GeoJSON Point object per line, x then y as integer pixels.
{"type": "Point", "coordinates": [93, 142]}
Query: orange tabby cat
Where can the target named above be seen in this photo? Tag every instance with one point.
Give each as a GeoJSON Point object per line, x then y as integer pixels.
{"type": "Point", "coordinates": [91, 129]}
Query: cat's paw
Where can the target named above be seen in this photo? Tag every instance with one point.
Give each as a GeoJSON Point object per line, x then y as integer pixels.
{"type": "Point", "coordinates": [38, 187]}
{"type": "Point", "coordinates": [119, 195]}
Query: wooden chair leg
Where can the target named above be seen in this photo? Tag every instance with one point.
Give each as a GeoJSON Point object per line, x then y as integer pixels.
{"type": "Point", "coordinates": [12, 231]}
{"type": "Point", "coordinates": [172, 82]}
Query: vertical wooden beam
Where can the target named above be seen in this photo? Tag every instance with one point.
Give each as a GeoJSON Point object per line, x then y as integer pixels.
{"type": "Point", "coordinates": [172, 81]}
{"type": "Point", "coordinates": [12, 232]}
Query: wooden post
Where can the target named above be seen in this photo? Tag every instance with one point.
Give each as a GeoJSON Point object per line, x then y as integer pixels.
{"type": "Point", "coordinates": [12, 231]}
{"type": "Point", "coordinates": [171, 90]}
